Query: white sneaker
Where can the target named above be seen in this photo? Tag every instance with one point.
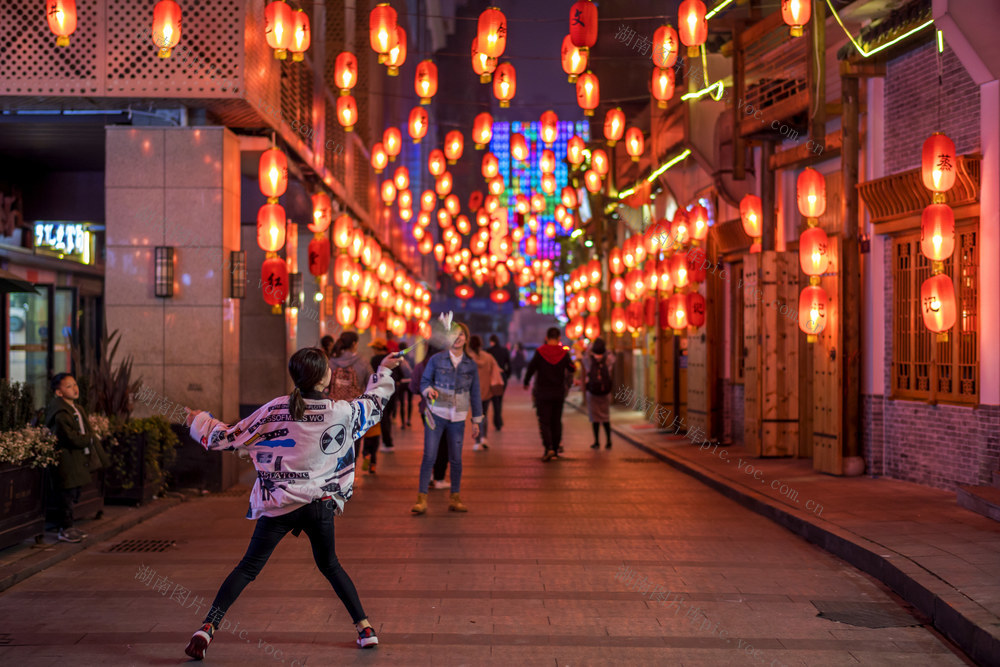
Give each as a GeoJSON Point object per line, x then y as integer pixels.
{"type": "Point", "coordinates": [475, 447]}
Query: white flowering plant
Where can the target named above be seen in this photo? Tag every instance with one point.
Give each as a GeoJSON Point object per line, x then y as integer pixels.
{"type": "Point", "coordinates": [103, 429]}
{"type": "Point", "coordinates": [34, 446]}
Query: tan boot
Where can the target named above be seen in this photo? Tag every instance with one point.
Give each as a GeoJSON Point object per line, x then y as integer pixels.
{"type": "Point", "coordinates": [421, 505]}
{"type": "Point", "coordinates": [456, 504]}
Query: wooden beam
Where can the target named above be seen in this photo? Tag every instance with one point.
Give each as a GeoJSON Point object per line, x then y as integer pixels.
{"type": "Point", "coordinates": [850, 272]}
{"type": "Point", "coordinates": [761, 28]}
{"type": "Point", "coordinates": [739, 86]}
{"type": "Point", "coordinates": [767, 196]}
{"type": "Point", "coordinates": [865, 69]}
{"type": "Point", "coordinates": [817, 74]}
{"type": "Point", "coordinates": [806, 153]}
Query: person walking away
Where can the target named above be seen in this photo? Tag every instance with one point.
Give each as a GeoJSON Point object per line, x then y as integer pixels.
{"type": "Point", "coordinates": [502, 356]}
{"type": "Point", "coordinates": [450, 384]}
{"type": "Point", "coordinates": [518, 362]}
{"type": "Point", "coordinates": [490, 382]}
{"type": "Point", "coordinates": [597, 366]}
{"type": "Point", "coordinates": [380, 348]}
{"type": "Point", "coordinates": [404, 401]}
{"type": "Point", "coordinates": [552, 363]}
{"type": "Point", "coordinates": [302, 447]}
{"type": "Point", "coordinates": [77, 449]}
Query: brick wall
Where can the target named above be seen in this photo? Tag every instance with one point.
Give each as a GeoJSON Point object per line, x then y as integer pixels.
{"type": "Point", "coordinates": [911, 106]}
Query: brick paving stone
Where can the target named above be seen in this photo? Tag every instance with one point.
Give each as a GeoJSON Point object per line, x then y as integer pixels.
{"type": "Point", "coordinates": [528, 577]}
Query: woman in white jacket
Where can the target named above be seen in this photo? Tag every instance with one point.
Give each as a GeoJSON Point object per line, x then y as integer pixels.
{"type": "Point", "coordinates": [302, 446]}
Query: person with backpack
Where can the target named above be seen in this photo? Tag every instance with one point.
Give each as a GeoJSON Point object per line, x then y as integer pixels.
{"type": "Point", "coordinates": [555, 368]}
{"type": "Point", "coordinates": [597, 365]}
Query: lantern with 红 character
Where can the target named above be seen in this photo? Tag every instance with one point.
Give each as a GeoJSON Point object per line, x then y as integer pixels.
{"type": "Point", "coordinates": [62, 19]}
{"type": "Point", "coordinates": [937, 304]}
{"type": "Point", "coordinates": [795, 14]}
{"type": "Point", "coordinates": [583, 24]}
{"type": "Point", "coordinates": [692, 25]}
{"type": "Point", "coordinates": [813, 303]}
{"type": "Point", "coordinates": [454, 144]}
{"type": "Point", "coordinates": [382, 30]}
{"type": "Point", "coordinates": [937, 232]}
{"type": "Point", "coordinates": [425, 81]}
{"type": "Point", "coordinates": [278, 28]}
{"type": "Point", "coordinates": [814, 254]}
{"type": "Point", "coordinates": [574, 59]}
{"type": "Point", "coordinates": [634, 143]}
{"type": "Point", "coordinates": [319, 256]}
{"type": "Point", "coordinates": [345, 72]}
{"type": "Point", "coordinates": [274, 280]}
{"type": "Point", "coordinates": [301, 35]}
{"type": "Point", "coordinates": [665, 46]}
{"type": "Point", "coordinates": [505, 84]}
{"type": "Point", "coordinates": [574, 150]}
{"type": "Point", "coordinates": [588, 92]}
{"type": "Point", "coordinates": [167, 25]}
{"type": "Point", "coordinates": [662, 86]}
{"type": "Point", "coordinates": [322, 213]}
{"type": "Point", "coordinates": [811, 191]}
{"type": "Point", "coordinates": [418, 124]}
{"type": "Point", "coordinates": [272, 174]}
{"type": "Point", "coordinates": [379, 157]}
{"type": "Point", "coordinates": [392, 142]}
{"type": "Point", "coordinates": [271, 222]}
{"type": "Point", "coordinates": [396, 56]}
{"type": "Point", "coordinates": [347, 112]}
{"type": "Point", "coordinates": [937, 165]}
{"type": "Point", "coordinates": [482, 130]}
{"type": "Point", "coordinates": [549, 122]}
{"type": "Point", "coordinates": [614, 125]}
{"type": "Point", "coordinates": [491, 32]}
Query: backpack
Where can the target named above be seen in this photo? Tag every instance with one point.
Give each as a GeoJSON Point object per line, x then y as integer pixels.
{"type": "Point", "coordinates": [598, 379]}
{"type": "Point", "coordinates": [344, 385]}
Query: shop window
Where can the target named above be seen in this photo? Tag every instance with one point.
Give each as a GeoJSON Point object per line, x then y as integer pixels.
{"type": "Point", "coordinates": [923, 368]}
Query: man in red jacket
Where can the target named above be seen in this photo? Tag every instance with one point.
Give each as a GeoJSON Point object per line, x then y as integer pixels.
{"type": "Point", "coordinates": [554, 367]}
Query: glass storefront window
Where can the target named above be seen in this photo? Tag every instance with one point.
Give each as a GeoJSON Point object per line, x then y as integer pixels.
{"type": "Point", "coordinates": [29, 329]}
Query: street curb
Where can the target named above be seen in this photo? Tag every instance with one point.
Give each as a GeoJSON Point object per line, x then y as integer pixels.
{"type": "Point", "coordinates": [32, 565]}
{"type": "Point", "coordinates": [948, 609]}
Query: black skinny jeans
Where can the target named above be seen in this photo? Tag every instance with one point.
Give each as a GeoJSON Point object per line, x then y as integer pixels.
{"type": "Point", "coordinates": [316, 520]}
{"type": "Point", "coordinates": [550, 421]}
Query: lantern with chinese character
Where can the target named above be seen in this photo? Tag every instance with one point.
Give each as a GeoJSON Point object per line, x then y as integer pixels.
{"type": "Point", "coordinates": [278, 28]}
{"type": "Point", "coordinates": [322, 213]}
{"type": "Point", "coordinates": [301, 36]}
{"type": "Point", "coordinates": [588, 92]}
{"type": "Point", "coordinates": [665, 47]}
{"type": "Point", "coordinates": [271, 227]}
{"type": "Point", "coordinates": [382, 30]}
{"type": "Point", "coordinates": [345, 72]}
{"type": "Point", "coordinates": [482, 64]}
{"type": "Point", "coordinates": [937, 303]}
{"type": "Point", "coordinates": [692, 25]}
{"type": "Point", "coordinates": [518, 147]}
{"type": "Point", "coordinates": [599, 162]}
{"type": "Point", "coordinates": [453, 146]}
{"type": "Point", "coordinates": [392, 142]}
{"type": "Point", "coordinates": [490, 166]}
{"type": "Point", "coordinates": [397, 54]}
{"type": "Point", "coordinates": [418, 124]}
{"type": "Point", "coordinates": [319, 255]}
{"type": "Point", "coordinates": [549, 122]}
{"type": "Point", "coordinates": [167, 25]}
{"type": "Point", "coordinates": [379, 157]}
{"type": "Point", "coordinates": [795, 14]}
{"type": "Point", "coordinates": [482, 130]}
{"type": "Point", "coordinates": [698, 223]}
{"type": "Point", "coordinates": [583, 24]}
{"type": "Point", "coordinates": [62, 19]}
{"type": "Point", "coordinates": [492, 32]}
{"type": "Point", "coordinates": [751, 213]}
{"type": "Point", "coordinates": [425, 81]}
{"type": "Point", "coordinates": [811, 189]}
{"type": "Point", "coordinates": [574, 59]}
{"type": "Point", "coordinates": [634, 143]}
{"type": "Point", "coordinates": [814, 256]}
{"type": "Point", "coordinates": [677, 313]}
{"type": "Point", "coordinates": [697, 265]}
{"type": "Point", "coordinates": [347, 112]}
{"type": "Point", "coordinates": [574, 150]}
{"type": "Point", "coordinates": [614, 125]}
{"type": "Point", "coordinates": [274, 280]}
{"type": "Point", "coordinates": [505, 84]}
{"type": "Point", "coordinates": [695, 309]}
{"type": "Point", "coordinates": [813, 302]}
{"type": "Point", "coordinates": [272, 174]}
{"type": "Point", "coordinates": [937, 164]}
{"type": "Point", "coordinates": [343, 268]}
{"type": "Point", "coordinates": [662, 86]}
{"type": "Point", "coordinates": [937, 232]}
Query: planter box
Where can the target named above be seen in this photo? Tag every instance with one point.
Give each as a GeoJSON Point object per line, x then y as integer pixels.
{"type": "Point", "coordinates": [90, 505]}
{"type": "Point", "coordinates": [129, 486]}
{"type": "Point", "coordinates": [22, 506]}
{"type": "Point", "coordinates": [196, 468]}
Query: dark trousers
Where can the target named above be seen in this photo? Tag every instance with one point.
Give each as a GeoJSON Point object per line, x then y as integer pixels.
{"type": "Point", "coordinates": [386, 421]}
{"type": "Point", "coordinates": [441, 464]}
{"type": "Point", "coordinates": [549, 412]}
{"type": "Point", "coordinates": [316, 520]}
{"type": "Point", "coordinates": [65, 499]}
{"type": "Point", "coordinates": [497, 402]}
{"type": "Point", "coordinates": [405, 398]}
{"type": "Point", "coordinates": [370, 448]}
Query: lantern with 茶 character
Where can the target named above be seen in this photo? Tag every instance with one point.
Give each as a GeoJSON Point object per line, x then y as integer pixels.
{"type": "Point", "coordinates": [937, 164]}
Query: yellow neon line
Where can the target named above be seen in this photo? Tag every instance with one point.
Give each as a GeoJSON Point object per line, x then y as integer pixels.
{"type": "Point", "coordinates": [861, 50]}
{"type": "Point", "coordinates": [706, 91]}
{"type": "Point", "coordinates": [718, 8]}
{"type": "Point", "coordinates": [652, 177]}
{"type": "Point", "coordinates": [940, 40]}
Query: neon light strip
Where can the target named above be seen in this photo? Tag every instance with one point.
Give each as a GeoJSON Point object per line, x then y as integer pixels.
{"type": "Point", "coordinates": [706, 91]}
{"type": "Point", "coordinates": [718, 8]}
{"type": "Point", "coordinates": [940, 40]}
{"type": "Point", "coordinates": [652, 177]}
{"type": "Point", "coordinates": [868, 54]}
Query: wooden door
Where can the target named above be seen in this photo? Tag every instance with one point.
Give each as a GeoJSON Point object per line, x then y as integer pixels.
{"type": "Point", "coordinates": [827, 389]}
{"type": "Point", "coordinates": [751, 377]}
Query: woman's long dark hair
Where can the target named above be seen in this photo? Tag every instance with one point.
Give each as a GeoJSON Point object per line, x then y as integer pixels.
{"type": "Point", "coordinates": [475, 344]}
{"type": "Point", "coordinates": [307, 367]}
{"type": "Point", "coordinates": [345, 342]}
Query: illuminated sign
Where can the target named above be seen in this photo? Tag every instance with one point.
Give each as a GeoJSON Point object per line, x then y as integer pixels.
{"type": "Point", "coordinates": [68, 240]}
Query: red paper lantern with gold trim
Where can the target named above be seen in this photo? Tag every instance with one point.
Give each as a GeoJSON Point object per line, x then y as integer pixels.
{"type": "Point", "coordinates": [547, 161]}
{"type": "Point", "coordinates": [583, 24]}
{"type": "Point", "coordinates": [379, 157]}
{"type": "Point", "coordinates": [392, 142]}
{"type": "Point", "coordinates": [343, 230]}
{"type": "Point", "coordinates": [167, 25]}
{"type": "Point", "coordinates": [518, 147]}
{"type": "Point", "coordinates": [549, 122]}
{"type": "Point", "coordinates": [698, 223]}
{"type": "Point", "coordinates": [347, 112]}
{"type": "Point", "coordinates": [588, 92]}
{"type": "Point", "coordinates": [62, 19]}
{"type": "Point", "coordinates": [692, 25]}
{"type": "Point", "coordinates": [382, 30]}
{"type": "Point", "coordinates": [697, 265]}
{"type": "Point", "coordinates": [274, 280]}
{"type": "Point", "coordinates": [938, 163]}
{"type": "Point", "coordinates": [618, 324]}
{"type": "Point", "coordinates": [271, 222]}
{"type": "Point", "coordinates": [301, 35]}
{"type": "Point", "coordinates": [593, 181]}
{"type": "Point", "coordinates": [574, 150]}
{"type": "Point", "coordinates": [937, 303]}
{"type": "Point", "coordinates": [345, 72]}
{"type": "Point", "coordinates": [491, 32]}
{"type": "Point", "coordinates": [662, 86]}
{"type": "Point", "coordinates": [490, 166]}
{"type": "Point", "coordinates": [811, 193]}
{"type": "Point", "coordinates": [319, 256]}
{"type": "Point", "coordinates": [574, 59]}
{"type": "Point", "coordinates": [594, 299]}
{"type": "Point", "coordinates": [425, 81]}
{"type": "Point", "coordinates": [418, 124]}
{"type": "Point", "coordinates": [665, 47]}
{"type": "Point", "coordinates": [599, 162]}
{"type": "Point", "coordinates": [752, 215]}
{"type": "Point", "coordinates": [696, 309]}
{"type": "Point", "coordinates": [614, 125]}
{"type": "Point", "coordinates": [677, 313]}
{"type": "Point", "coordinates": [634, 143]}
{"type": "Point", "coordinates": [454, 144]}
{"type": "Point", "coordinates": [482, 130]}
{"type": "Point", "coordinates": [813, 302]}
{"type": "Point", "coordinates": [505, 84]}
{"type": "Point", "coordinates": [814, 256]}
{"type": "Point", "coordinates": [347, 309]}
{"type": "Point", "coordinates": [272, 174]}
{"type": "Point", "coordinates": [795, 14]}
{"type": "Point", "coordinates": [482, 64]}
{"type": "Point", "coordinates": [937, 232]}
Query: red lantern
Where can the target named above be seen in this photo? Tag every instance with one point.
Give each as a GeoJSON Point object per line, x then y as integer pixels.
{"type": "Point", "coordinates": [583, 24]}
{"type": "Point", "coordinates": [665, 47]}
{"type": "Point", "coordinates": [592, 327]}
{"type": "Point", "coordinates": [593, 181]}
{"type": "Point", "coordinates": [402, 180]}
{"type": "Point", "coordinates": [347, 309]}
{"type": "Point", "coordinates": [593, 271]}
{"type": "Point", "coordinates": [937, 232]}
{"type": "Point", "coordinates": [599, 162]}
{"type": "Point", "coordinates": [649, 311]}
{"type": "Point", "coordinates": [697, 265]}
{"type": "Point", "coordinates": [379, 157]}
{"type": "Point", "coordinates": [382, 30]}
{"type": "Point", "coordinates": [680, 231]}
{"type": "Point", "coordinates": [938, 162]}
{"type": "Point", "coordinates": [426, 245]}
{"type": "Point", "coordinates": [547, 162]}
{"type": "Point", "coordinates": [814, 256]}
{"type": "Point", "coordinates": [453, 146]}
{"type": "Point", "coordinates": [272, 174]}
{"type": "Point", "coordinates": [811, 189]}
{"type": "Point", "coordinates": [500, 296]}
{"type": "Point", "coordinates": [698, 222]}
{"type": "Point", "coordinates": [518, 147]}
{"type": "Point", "coordinates": [167, 25]}
{"type": "Point", "coordinates": [357, 243]}
{"type": "Point", "coordinates": [665, 282]}
{"type": "Point", "coordinates": [425, 81]}
{"type": "Point", "coordinates": [812, 311]}
{"type": "Point", "coordinates": [464, 292]}
{"type": "Point", "coordinates": [343, 268]}
{"type": "Point", "coordinates": [443, 185]}
{"type": "Point", "coordinates": [677, 313]}
{"type": "Point", "coordinates": [388, 192]}
{"type": "Point", "coordinates": [271, 227]}
{"type": "Point", "coordinates": [692, 25]}
{"type": "Point", "coordinates": [62, 19]}
{"type": "Point", "coordinates": [531, 246]}
{"type": "Point", "coordinates": [343, 230]}
{"type": "Point", "coordinates": [274, 280]}
{"type": "Point", "coordinates": [574, 150]}
{"type": "Point", "coordinates": [593, 300]}
{"type": "Point", "coordinates": [301, 36]}
{"type": "Point", "coordinates": [937, 303]}
{"type": "Point", "coordinates": [549, 122]}
{"type": "Point", "coordinates": [634, 143]}
{"type": "Point", "coordinates": [574, 59]}
{"type": "Point", "coordinates": [614, 125]}
{"type": "Point", "coordinates": [505, 84]}
{"type": "Point", "coordinates": [615, 261]}
{"type": "Point", "coordinates": [436, 162]}
{"type": "Point", "coordinates": [322, 213]}
{"type": "Point", "coordinates": [278, 28]}
{"type": "Point", "coordinates": [616, 289]}
{"type": "Point", "coordinates": [633, 316]}
{"type": "Point", "coordinates": [482, 64]}
{"type": "Point", "coordinates": [475, 200]}
{"type": "Point", "coordinates": [397, 54]}
{"type": "Point", "coordinates": [428, 200]}
{"type": "Point", "coordinates": [438, 252]}
{"type": "Point", "coordinates": [452, 204]}
{"type": "Point", "coordinates": [347, 112]}
{"type": "Point", "coordinates": [751, 212]}
{"type": "Point", "coordinates": [491, 166]}
{"type": "Point", "coordinates": [319, 256]}
{"type": "Point", "coordinates": [679, 275]}
{"type": "Point", "coordinates": [569, 197]}
{"type": "Point", "coordinates": [795, 14]}
{"type": "Point", "coordinates": [588, 92]}
{"type": "Point", "coordinates": [549, 183]}
{"type": "Point", "coordinates": [574, 329]}
{"type": "Point", "coordinates": [695, 309]}
{"type": "Point", "coordinates": [492, 32]}
{"type": "Point", "coordinates": [392, 142]}
{"type": "Point", "coordinates": [418, 124]}
{"type": "Point", "coordinates": [662, 86]}
{"type": "Point", "coordinates": [496, 186]}
{"type": "Point", "coordinates": [482, 130]}
{"type": "Point", "coordinates": [363, 320]}
{"type": "Point", "coordinates": [345, 72]}
{"type": "Point", "coordinates": [618, 324]}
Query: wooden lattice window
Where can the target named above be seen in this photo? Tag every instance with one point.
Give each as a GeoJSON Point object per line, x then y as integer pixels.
{"type": "Point", "coordinates": [738, 357]}
{"type": "Point", "coordinates": [922, 367]}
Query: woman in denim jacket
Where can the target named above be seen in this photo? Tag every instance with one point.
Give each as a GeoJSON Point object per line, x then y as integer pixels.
{"type": "Point", "coordinates": [450, 383]}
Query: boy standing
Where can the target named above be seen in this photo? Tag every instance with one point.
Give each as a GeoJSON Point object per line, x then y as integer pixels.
{"type": "Point", "coordinates": [74, 440]}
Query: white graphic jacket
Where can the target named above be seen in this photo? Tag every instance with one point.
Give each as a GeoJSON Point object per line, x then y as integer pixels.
{"type": "Point", "coordinates": [300, 461]}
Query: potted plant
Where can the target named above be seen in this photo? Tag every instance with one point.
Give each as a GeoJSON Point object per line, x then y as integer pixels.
{"type": "Point", "coordinates": [24, 451]}
{"type": "Point", "coordinates": [145, 450]}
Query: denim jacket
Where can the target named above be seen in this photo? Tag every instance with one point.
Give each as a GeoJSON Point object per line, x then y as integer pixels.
{"type": "Point", "coordinates": [455, 386]}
